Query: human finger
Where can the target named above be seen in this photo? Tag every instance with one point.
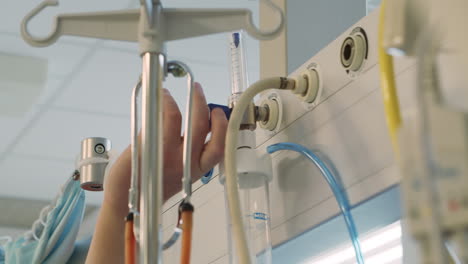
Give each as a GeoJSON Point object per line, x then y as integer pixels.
{"type": "Point", "coordinates": [200, 123]}
{"type": "Point", "coordinates": [214, 150]}
{"type": "Point", "coordinates": [172, 120]}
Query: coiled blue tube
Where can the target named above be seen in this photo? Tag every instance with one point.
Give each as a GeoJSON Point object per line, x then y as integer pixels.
{"type": "Point", "coordinates": [335, 186]}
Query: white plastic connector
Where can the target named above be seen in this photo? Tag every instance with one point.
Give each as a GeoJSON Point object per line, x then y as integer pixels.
{"type": "Point", "coordinates": [354, 51]}
{"type": "Point", "coordinates": [301, 84]}
{"type": "Point", "coordinates": [246, 139]}
{"type": "Point", "coordinates": [254, 167]}
{"type": "Point", "coordinates": [307, 85]}
{"type": "Point", "coordinates": [313, 85]}
{"type": "Point", "coordinates": [272, 119]}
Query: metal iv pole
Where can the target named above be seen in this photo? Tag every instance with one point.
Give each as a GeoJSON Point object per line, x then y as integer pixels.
{"type": "Point", "coordinates": [151, 26]}
{"type": "Point", "coordinates": [153, 72]}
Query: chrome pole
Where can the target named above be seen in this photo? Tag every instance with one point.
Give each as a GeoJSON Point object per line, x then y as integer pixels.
{"type": "Point", "coordinates": [134, 193]}
{"type": "Point", "coordinates": [152, 158]}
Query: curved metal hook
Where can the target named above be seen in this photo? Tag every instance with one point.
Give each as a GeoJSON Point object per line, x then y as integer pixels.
{"type": "Point", "coordinates": [180, 69]}
{"type": "Point", "coordinates": [38, 41]}
{"type": "Point", "coordinates": [133, 192]}
{"type": "Point", "coordinates": [265, 35]}
{"type": "Point", "coordinates": [173, 239]}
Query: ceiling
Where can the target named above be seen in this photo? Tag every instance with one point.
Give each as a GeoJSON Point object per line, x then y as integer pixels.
{"type": "Point", "coordinates": [77, 88]}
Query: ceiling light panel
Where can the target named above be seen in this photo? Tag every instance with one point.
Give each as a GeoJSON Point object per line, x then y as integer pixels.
{"type": "Point", "coordinates": [58, 134]}
{"type": "Point", "coordinates": [12, 13]}
{"type": "Point", "coordinates": [22, 79]}
{"type": "Point", "coordinates": [32, 178]}
{"type": "Point", "coordinates": [104, 84]}
{"type": "Point", "coordinates": [11, 128]}
{"type": "Point", "coordinates": [61, 58]}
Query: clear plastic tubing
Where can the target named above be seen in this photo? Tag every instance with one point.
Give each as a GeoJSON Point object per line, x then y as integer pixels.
{"type": "Point", "coordinates": [256, 209]}
{"type": "Point", "coordinates": [335, 186]}
{"type": "Point", "coordinates": [239, 77]}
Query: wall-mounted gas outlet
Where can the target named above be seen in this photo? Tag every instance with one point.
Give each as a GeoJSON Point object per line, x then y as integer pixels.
{"type": "Point", "coordinates": [271, 112]}
{"type": "Point", "coordinates": [307, 85]}
{"type": "Point", "coordinates": [354, 51]}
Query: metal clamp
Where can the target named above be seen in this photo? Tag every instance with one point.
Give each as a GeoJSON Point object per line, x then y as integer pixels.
{"type": "Point", "coordinates": [93, 162]}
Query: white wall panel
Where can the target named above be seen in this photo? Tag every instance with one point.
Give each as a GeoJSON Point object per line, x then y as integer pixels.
{"type": "Point", "coordinates": [347, 125]}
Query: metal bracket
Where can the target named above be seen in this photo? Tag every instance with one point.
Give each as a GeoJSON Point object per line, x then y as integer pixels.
{"type": "Point", "coordinates": [123, 24]}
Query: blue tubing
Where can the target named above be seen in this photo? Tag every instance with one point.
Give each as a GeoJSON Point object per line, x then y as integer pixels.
{"type": "Point", "coordinates": [205, 179]}
{"type": "Point", "coordinates": [335, 186]}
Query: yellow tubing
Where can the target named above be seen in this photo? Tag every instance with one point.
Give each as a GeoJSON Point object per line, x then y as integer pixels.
{"type": "Point", "coordinates": [390, 96]}
{"type": "Point", "coordinates": [387, 77]}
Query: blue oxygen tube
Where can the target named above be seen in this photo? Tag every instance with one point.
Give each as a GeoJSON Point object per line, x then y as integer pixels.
{"type": "Point", "coordinates": [335, 186]}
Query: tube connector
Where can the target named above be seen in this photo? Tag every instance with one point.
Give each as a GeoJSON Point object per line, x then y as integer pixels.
{"type": "Point", "coordinates": [287, 83]}
{"type": "Point", "coordinates": [307, 85]}
{"type": "Point", "coordinates": [268, 114]}
{"type": "Point", "coordinates": [262, 112]}
{"type": "Point", "coordinates": [249, 119]}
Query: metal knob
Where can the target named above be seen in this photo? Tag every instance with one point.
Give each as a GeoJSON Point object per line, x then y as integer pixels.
{"type": "Point", "coordinates": [94, 160]}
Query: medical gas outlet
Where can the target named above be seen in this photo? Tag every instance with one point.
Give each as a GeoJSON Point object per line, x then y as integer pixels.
{"type": "Point", "coordinates": [307, 85]}
{"type": "Point", "coordinates": [354, 51]}
{"type": "Point", "coordinates": [307, 88]}
{"type": "Point", "coordinates": [268, 113]}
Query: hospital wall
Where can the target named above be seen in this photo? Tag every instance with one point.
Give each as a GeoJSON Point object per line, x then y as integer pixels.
{"type": "Point", "coordinates": [312, 25]}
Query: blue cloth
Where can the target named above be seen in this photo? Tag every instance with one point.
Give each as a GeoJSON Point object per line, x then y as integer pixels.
{"type": "Point", "coordinates": [227, 111]}
{"type": "Point", "coordinates": [2, 255]}
{"type": "Point", "coordinates": [207, 177]}
{"type": "Point", "coordinates": [53, 235]}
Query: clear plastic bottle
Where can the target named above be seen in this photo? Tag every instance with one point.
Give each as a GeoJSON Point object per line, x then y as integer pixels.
{"type": "Point", "coordinates": [257, 221]}
{"type": "Point", "coordinates": [254, 174]}
{"type": "Point", "coordinates": [254, 171]}
{"type": "Point", "coordinates": [256, 210]}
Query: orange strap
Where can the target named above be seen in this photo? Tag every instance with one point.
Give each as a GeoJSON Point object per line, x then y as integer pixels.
{"type": "Point", "coordinates": [187, 224]}
{"type": "Point", "coordinates": [130, 242]}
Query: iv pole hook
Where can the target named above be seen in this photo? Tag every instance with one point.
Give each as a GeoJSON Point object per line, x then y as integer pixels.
{"type": "Point", "coordinates": [40, 41]}
{"type": "Point", "coordinates": [119, 25]}
{"type": "Point", "coordinates": [266, 35]}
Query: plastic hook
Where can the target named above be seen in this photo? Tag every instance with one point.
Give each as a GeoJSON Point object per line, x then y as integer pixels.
{"type": "Point", "coordinates": [265, 35]}
{"type": "Point", "coordinates": [40, 41]}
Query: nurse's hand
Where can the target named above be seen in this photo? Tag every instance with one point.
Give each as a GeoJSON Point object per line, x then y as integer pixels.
{"type": "Point", "coordinates": [108, 240]}
{"type": "Point", "coordinates": [204, 156]}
